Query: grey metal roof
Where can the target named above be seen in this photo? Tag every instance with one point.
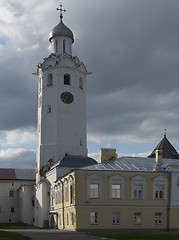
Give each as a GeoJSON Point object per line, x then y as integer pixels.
{"type": "Point", "coordinates": [135, 164]}
{"type": "Point", "coordinates": [61, 30]}
{"type": "Point", "coordinates": [168, 151]}
{"type": "Point", "coordinates": [75, 161]}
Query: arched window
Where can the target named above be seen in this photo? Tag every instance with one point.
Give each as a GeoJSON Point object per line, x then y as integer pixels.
{"type": "Point", "coordinates": [67, 79]}
{"type": "Point", "coordinates": [71, 190]}
{"type": "Point", "coordinates": [66, 191]}
{"type": "Point", "coordinates": [50, 80]}
{"type": "Point", "coordinates": [81, 83]}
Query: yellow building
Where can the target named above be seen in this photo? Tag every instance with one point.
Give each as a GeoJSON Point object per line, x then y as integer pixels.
{"type": "Point", "coordinates": [117, 194]}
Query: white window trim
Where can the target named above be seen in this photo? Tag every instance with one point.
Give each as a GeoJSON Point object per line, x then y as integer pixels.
{"type": "Point", "coordinates": [94, 179]}
{"type": "Point", "coordinates": [115, 213]}
{"type": "Point", "coordinates": [143, 192]}
{"type": "Point", "coordinates": [164, 184]}
{"type": "Point", "coordinates": [118, 180]}
{"type": "Point", "coordinates": [93, 222]}
{"type": "Point", "coordinates": [158, 219]}
{"type": "Point", "coordinates": [137, 214]}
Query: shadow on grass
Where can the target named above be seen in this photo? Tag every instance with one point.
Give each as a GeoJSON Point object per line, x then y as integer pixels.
{"type": "Point", "coordinates": [12, 236]}
{"type": "Point", "coordinates": [139, 235]}
{"type": "Point", "coordinates": [16, 226]}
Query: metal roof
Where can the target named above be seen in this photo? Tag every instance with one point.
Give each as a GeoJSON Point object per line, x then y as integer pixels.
{"type": "Point", "coordinates": [135, 164]}
{"type": "Point", "coordinates": [61, 30]}
{"type": "Point", "coordinates": [17, 174]}
{"type": "Point", "coordinates": [168, 151]}
{"type": "Point", "coordinates": [75, 161]}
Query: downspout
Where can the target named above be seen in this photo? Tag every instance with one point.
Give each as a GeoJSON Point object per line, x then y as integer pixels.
{"type": "Point", "coordinates": [169, 202]}
{"type": "Point", "coordinates": [63, 217]}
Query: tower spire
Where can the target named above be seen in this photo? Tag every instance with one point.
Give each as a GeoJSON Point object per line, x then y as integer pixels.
{"type": "Point", "coordinates": [165, 133]}
{"type": "Point", "coordinates": [61, 10]}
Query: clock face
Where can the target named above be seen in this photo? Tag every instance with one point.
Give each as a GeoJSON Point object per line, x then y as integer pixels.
{"type": "Point", "coordinates": [67, 97]}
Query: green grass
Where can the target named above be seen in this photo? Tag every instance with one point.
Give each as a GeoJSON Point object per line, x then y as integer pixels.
{"type": "Point", "coordinates": [139, 235]}
{"type": "Point", "coordinates": [12, 236]}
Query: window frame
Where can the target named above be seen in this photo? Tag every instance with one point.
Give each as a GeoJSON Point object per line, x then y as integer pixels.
{"type": "Point", "coordinates": [49, 80]}
{"type": "Point", "coordinates": [116, 180]}
{"type": "Point", "coordinates": [137, 216]}
{"type": "Point", "coordinates": [115, 217]}
{"type": "Point", "coordinates": [160, 181]}
{"type": "Point", "coordinates": [138, 181]}
{"type": "Point", "coordinates": [94, 179]}
{"type": "Point", "coordinates": [94, 218]}
{"type": "Point", "coordinates": [93, 191]}
{"type": "Point", "coordinates": [67, 79]}
{"type": "Point", "coordinates": [158, 219]}
{"type": "Point", "coordinates": [66, 190]}
{"type": "Point", "coordinates": [81, 83]}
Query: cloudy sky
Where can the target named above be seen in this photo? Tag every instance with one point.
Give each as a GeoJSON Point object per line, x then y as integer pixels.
{"type": "Point", "coordinates": [132, 48]}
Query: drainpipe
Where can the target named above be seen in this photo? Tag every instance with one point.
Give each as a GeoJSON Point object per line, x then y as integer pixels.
{"type": "Point", "coordinates": [63, 217]}
{"type": "Point", "coordinates": [169, 201]}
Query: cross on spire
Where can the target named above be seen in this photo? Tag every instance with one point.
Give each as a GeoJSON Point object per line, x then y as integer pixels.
{"type": "Point", "coordinates": [61, 11]}
{"type": "Point", "coordinates": [165, 133]}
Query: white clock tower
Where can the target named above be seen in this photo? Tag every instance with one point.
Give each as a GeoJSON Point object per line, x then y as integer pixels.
{"type": "Point", "coordinates": [61, 101]}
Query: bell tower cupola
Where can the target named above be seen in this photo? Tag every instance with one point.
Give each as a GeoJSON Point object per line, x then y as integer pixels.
{"type": "Point", "coordinates": [61, 37]}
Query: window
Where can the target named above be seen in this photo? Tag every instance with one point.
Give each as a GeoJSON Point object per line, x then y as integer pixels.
{"type": "Point", "coordinates": [59, 191]}
{"type": "Point", "coordinates": [138, 191]}
{"type": "Point", "coordinates": [116, 187]}
{"type": "Point", "coordinates": [67, 79]}
{"type": "Point", "coordinates": [49, 109]}
{"type": "Point", "coordinates": [50, 80]}
{"type": "Point", "coordinates": [59, 218]}
{"type": "Point", "coordinates": [158, 218]}
{"type": "Point", "coordinates": [67, 219]}
{"type": "Point", "coordinates": [160, 184]}
{"type": "Point", "coordinates": [138, 187]}
{"type": "Point", "coordinates": [94, 190]}
{"type": "Point", "coordinates": [137, 218]}
{"type": "Point", "coordinates": [12, 209]}
{"type": "Point", "coordinates": [11, 193]}
{"type": "Point", "coordinates": [81, 83]}
{"type": "Point", "coordinates": [159, 191]}
{"type": "Point", "coordinates": [72, 218]}
{"type": "Point", "coordinates": [94, 186]}
{"type": "Point", "coordinates": [116, 191]}
{"type": "Point", "coordinates": [64, 50]}
{"type": "Point", "coordinates": [56, 46]}
{"type": "Point", "coordinates": [81, 142]}
{"type": "Point", "coordinates": [66, 191]}
{"type": "Point", "coordinates": [71, 194]}
{"type": "Point", "coordinates": [115, 218]}
{"type": "Point", "coordinates": [93, 218]}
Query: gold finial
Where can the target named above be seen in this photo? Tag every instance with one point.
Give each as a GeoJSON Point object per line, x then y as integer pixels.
{"type": "Point", "coordinates": [165, 133]}
{"type": "Point", "coordinates": [61, 11]}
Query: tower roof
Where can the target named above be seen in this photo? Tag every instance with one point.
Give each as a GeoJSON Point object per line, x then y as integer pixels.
{"type": "Point", "coordinates": [168, 150]}
{"type": "Point", "coordinates": [61, 30]}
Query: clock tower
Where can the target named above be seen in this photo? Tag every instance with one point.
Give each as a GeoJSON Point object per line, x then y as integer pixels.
{"type": "Point", "coordinates": [61, 101]}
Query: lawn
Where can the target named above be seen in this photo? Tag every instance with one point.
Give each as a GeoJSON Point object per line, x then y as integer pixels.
{"type": "Point", "coordinates": [12, 236]}
{"type": "Point", "coordinates": [139, 235]}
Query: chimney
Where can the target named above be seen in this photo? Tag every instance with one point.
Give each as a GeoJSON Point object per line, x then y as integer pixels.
{"type": "Point", "coordinates": [158, 156]}
{"type": "Point", "coordinates": [158, 160]}
{"type": "Point", "coordinates": [107, 154]}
